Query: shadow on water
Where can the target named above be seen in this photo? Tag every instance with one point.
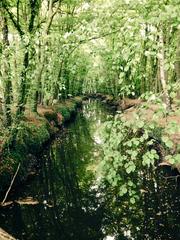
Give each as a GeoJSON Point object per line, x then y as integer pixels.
{"type": "Point", "coordinates": [72, 205]}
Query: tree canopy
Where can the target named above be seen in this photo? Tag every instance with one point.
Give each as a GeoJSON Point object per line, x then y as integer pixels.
{"type": "Point", "coordinates": [53, 49]}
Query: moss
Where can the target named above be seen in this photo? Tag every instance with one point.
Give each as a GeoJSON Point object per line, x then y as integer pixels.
{"type": "Point", "coordinates": [33, 132]}
{"type": "Point", "coordinates": [6, 171]}
{"type": "Point", "coordinates": [31, 138]}
{"type": "Point", "coordinates": [64, 112]}
{"type": "Point", "coordinates": [68, 108]}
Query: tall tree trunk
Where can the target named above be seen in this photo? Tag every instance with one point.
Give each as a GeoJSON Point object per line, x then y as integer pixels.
{"type": "Point", "coordinates": [162, 71]}
{"type": "Point", "coordinates": [177, 63]}
{"type": "Point", "coordinates": [43, 60]}
{"type": "Point", "coordinates": [7, 85]}
{"type": "Point", "coordinates": [144, 63]}
{"type": "Point", "coordinates": [23, 86]}
{"type": "Point", "coordinates": [37, 92]}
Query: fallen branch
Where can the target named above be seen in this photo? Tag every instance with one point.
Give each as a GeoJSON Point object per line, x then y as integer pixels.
{"type": "Point", "coordinates": [170, 177]}
{"type": "Point", "coordinates": [13, 179]}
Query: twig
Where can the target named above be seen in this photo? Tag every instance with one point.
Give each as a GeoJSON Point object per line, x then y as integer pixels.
{"type": "Point", "coordinates": [11, 185]}
{"type": "Point", "coordinates": [171, 177]}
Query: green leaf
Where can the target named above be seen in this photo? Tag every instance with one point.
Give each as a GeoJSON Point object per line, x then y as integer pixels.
{"type": "Point", "coordinates": [132, 200]}
{"type": "Point", "coordinates": [167, 142]}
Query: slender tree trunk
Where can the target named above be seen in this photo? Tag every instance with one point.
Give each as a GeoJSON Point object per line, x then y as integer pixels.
{"type": "Point", "coordinates": [178, 59]}
{"type": "Point", "coordinates": [177, 63]}
{"type": "Point", "coordinates": [23, 87]}
{"type": "Point", "coordinates": [7, 85]}
{"type": "Point", "coordinates": [144, 64]}
{"type": "Point", "coordinates": [36, 94]}
{"type": "Point", "coordinates": [162, 71]}
{"type": "Point", "coordinates": [43, 59]}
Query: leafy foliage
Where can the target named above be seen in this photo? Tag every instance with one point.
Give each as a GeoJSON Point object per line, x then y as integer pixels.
{"type": "Point", "coordinates": [59, 48]}
{"type": "Point", "coordinates": [129, 147]}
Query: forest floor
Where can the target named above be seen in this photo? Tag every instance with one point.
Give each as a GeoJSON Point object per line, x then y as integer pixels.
{"type": "Point", "coordinates": [150, 111]}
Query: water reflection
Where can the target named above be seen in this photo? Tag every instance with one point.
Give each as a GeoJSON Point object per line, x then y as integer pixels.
{"type": "Point", "coordinates": [72, 203]}
{"type": "Point", "coordinates": [155, 216]}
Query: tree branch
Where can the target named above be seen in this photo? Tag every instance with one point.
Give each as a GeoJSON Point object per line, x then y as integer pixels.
{"type": "Point", "coordinates": [12, 18]}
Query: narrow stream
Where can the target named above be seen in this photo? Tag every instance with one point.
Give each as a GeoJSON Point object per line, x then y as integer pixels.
{"type": "Point", "coordinates": [68, 203]}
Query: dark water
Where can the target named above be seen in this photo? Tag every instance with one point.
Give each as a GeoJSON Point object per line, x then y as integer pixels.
{"type": "Point", "coordinates": [73, 205]}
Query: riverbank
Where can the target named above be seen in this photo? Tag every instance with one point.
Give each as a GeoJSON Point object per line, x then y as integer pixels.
{"type": "Point", "coordinates": [68, 192]}
{"type": "Point", "coordinates": [153, 112]}
{"type": "Point", "coordinates": [32, 133]}
{"type": "Point", "coordinates": [37, 129]}
{"type": "Point", "coordinates": [115, 103]}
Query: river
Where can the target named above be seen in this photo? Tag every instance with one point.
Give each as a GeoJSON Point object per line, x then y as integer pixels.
{"type": "Point", "coordinates": [66, 200]}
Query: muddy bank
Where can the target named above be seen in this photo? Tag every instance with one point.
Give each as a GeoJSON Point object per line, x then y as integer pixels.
{"type": "Point", "coordinates": [32, 133]}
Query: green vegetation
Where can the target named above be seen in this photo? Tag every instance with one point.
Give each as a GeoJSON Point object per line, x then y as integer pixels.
{"type": "Point", "coordinates": [136, 144]}
{"type": "Point", "coordinates": [29, 138]}
{"type": "Point", "coordinates": [129, 147]}
{"type": "Point", "coordinates": [53, 50]}
{"type": "Point", "coordinates": [28, 143]}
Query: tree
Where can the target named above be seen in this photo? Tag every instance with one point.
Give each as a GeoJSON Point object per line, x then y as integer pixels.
{"type": "Point", "coordinates": [5, 72]}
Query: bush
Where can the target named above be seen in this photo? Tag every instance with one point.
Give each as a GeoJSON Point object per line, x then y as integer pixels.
{"type": "Point", "coordinates": [129, 148]}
